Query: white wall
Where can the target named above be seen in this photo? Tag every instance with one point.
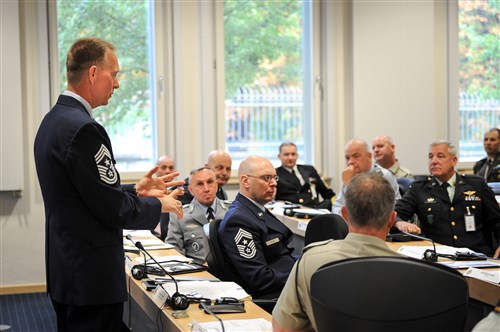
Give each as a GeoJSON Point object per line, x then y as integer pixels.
{"type": "Point", "coordinates": [399, 76]}
{"type": "Point", "coordinates": [385, 74]}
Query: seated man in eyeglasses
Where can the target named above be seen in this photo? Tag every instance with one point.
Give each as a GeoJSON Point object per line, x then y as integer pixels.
{"type": "Point", "coordinates": [254, 242]}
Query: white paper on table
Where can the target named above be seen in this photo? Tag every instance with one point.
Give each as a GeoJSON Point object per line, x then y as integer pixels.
{"type": "Point", "coordinates": [486, 275]}
{"type": "Point", "coordinates": [418, 251]}
{"type": "Point", "coordinates": [138, 233]}
{"type": "Point", "coordinates": [209, 289]}
{"type": "Point", "coordinates": [256, 325]}
{"type": "Point", "coordinates": [150, 243]}
{"type": "Point", "coordinates": [469, 264]}
{"type": "Point", "coordinates": [164, 259]}
{"type": "Point", "coordinates": [311, 212]}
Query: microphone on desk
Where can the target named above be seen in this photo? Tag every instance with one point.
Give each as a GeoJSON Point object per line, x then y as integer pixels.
{"type": "Point", "coordinates": [430, 255]}
{"type": "Point", "coordinates": [177, 301]}
{"type": "Point", "coordinates": [138, 272]}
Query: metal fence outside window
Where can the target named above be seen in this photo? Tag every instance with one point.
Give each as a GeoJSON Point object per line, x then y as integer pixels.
{"type": "Point", "coordinates": [259, 119]}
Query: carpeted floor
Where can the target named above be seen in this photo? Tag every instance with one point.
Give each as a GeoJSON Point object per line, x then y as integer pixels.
{"type": "Point", "coordinates": [27, 313]}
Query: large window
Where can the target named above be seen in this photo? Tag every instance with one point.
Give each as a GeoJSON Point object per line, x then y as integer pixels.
{"type": "Point", "coordinates": [129, 117]}
{"type": "Point", "coordinates": [479, 76]}
{"type": "Point", "coordinates": [267, 77]}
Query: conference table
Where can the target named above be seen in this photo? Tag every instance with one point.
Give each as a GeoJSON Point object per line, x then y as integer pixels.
{"type": "Point", "coordinates": [163, 317]}
{"type": "Point", "coordinates": [481, 290]}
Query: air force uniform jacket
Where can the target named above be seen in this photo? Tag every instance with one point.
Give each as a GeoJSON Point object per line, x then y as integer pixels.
{"type": "Point", "coordinates": [187, 235]}
{"type": "Point", "coordinates": [86, 208]}
{"type": "Point", "coordinates": [443, 220]}
{"type": "Point", "coordinates": [256, 245]}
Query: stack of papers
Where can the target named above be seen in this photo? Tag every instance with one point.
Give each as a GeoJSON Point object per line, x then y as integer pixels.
{"type": "Point", "coordinates": [149, 243]}
{"type": "Point", "coordinates": [208, 289]}
{"type": "Point", "coordinates": [257, 325]}
{"type": "Point", "coordinates": [418, 252]}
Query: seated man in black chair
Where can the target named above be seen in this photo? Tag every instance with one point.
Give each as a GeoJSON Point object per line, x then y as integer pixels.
{"type": "Point", "coordinates": [369, 211]}
{"type": "Point", "coordinates": [254, 242]}
{"type": "Point", "coordinates": [300, 183]}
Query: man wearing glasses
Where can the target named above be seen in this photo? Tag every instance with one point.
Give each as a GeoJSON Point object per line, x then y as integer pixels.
{"type": "Point", "coordinates": [254, 242]}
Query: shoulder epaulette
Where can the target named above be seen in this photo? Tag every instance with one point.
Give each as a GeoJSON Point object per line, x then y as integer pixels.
{"type": "Point", "coordinates": [225, 203]}
{"type": "Point", "coordinates": [316, 244]}
{"type": "Point", "coordinates": [422, 178]}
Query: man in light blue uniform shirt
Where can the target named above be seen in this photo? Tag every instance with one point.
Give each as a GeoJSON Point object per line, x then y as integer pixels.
{"type": "Point", "coordinates": [359, 160]}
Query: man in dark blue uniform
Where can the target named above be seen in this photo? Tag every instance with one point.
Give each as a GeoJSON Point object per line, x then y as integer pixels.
{"type": "Point", "coordinates": [300, 183]}
{"type": "Point", "coordinates": [86, 207]}
{"type": "Point", "coordinates": [254, 242]}
{"type": "Point", "coordinates": [455, 210]}
{"type": "Point", "coordinates": [489, 167]}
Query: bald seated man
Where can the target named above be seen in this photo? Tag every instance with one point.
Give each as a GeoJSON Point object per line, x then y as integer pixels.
{"type": "Point", "coordinates": [219, 162]}
{"type": "Point", "coordinates": [384, 153]}
{"type": "Point", "coordinates": [359, 160]}
{"type": "Point", "coordinates": [166, 165]}
{"type": "Point", "coordinates": [254, 242]}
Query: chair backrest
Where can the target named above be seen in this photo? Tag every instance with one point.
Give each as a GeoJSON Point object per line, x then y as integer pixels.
{"type": "Point", "coordinates": [388, 294]}
{"type": "Point", "coordinates": [215, 257]}
{"type": "Point", "coordinates": [404, 184]}
{"type": "Point", "coordinates": [324, 227]}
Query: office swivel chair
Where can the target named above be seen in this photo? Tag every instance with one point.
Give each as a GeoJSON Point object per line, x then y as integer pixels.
{"type": "Point", "coordinates": [404, 184]}
{"type": "Point", "coordinates": [388, 294]}
{"type": "Point", "coordinates": [219, 267]}
{"type": "Point", "coordinates": [324, 227]}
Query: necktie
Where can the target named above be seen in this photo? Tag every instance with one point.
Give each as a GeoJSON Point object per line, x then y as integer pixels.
{"type": "Point", "coordinates": [298, 178]}
{"type": "Point", "coordinates": [487, 169]}
{"type": "Point", "coordinates": [445, 186]}
{"type": "Point", "coordinates": [210, 214]}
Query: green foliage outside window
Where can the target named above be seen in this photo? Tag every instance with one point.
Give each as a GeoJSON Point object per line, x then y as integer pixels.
{"type": "Point", "coordinates": [479, 48]}
{"type": "Point", "coordinates": [263, 44]}
{"type": "Point", "coordinates": [125, 24]}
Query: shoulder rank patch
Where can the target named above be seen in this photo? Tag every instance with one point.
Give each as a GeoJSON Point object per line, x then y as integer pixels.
{"type": "Point", "coordinates": [244, 243]}
{"type": "Point", "coordinates": [105, 167]}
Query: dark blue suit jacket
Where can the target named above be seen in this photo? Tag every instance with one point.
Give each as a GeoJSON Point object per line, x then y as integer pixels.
{"type": "Point", "coordinates": [290, 189]}
{"type": "Point", "coordinates": [86, 208]}
{"type": "Point", "coordinates": [255, 244]}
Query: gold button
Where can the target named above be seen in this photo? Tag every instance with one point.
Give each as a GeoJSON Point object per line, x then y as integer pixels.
{"type": "Point", "coordinates": [429, 209]}
{"type": "Point", "coordinates": [473, 206]}
{"type": "Point", "coordinates": [301, 200]}
{"type": "Point", "coordinates": [453, 223]}
{"type": "Point", "coordinates": [452, 208]}
{"type": "Point", "coordinates": [309, 191]}
{"type": "Point", "coordinates": [455, 237]}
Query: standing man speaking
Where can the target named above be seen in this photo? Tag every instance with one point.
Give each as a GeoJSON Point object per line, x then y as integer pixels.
{"type": "Point", "coordinates": [86, 207]}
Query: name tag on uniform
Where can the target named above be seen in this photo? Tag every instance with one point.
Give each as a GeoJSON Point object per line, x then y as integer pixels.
{"type": "Point", "coordinates": [470, 224]}
{"type": "Point", "coordinates": [273, 241]}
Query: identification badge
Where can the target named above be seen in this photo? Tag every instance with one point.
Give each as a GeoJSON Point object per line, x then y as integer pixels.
{"type": "Point", "coordinates": [470, 223]}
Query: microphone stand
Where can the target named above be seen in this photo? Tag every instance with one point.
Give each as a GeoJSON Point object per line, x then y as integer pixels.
{"type": "Point", "coordinates": [176, 301]}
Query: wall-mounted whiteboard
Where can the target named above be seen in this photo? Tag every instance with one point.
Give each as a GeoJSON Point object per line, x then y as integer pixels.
{"type": "Point", "coordinates": [11, 126]}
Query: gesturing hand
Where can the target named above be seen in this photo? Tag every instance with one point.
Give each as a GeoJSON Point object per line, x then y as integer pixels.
{"type": "Point", "coordinates": [157, 186]}
{"type": "Point", "coordinates": [169, 203]}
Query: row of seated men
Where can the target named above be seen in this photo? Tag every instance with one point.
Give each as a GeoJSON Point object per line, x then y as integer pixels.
{"type": "Point", "coordinates": [256, 244]}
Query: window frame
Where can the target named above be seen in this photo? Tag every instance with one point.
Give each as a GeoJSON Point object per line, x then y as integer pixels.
{"type": "Point", "coordinates": [312, 121]}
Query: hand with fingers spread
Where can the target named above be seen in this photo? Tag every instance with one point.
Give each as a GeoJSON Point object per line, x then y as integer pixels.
{"type": "Point", "coordinates": [157, 186]}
